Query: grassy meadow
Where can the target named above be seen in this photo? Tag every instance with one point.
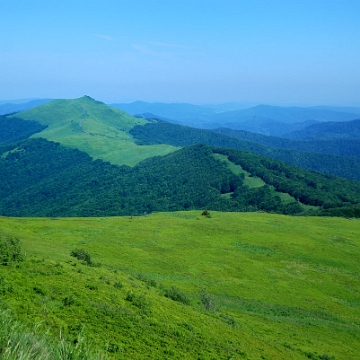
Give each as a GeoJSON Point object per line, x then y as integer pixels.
{"type": "Point", "coordinates": [186, 286]}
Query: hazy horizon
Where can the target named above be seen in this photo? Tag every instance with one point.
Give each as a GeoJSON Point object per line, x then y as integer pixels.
{"type": "Point", "coordinates": [278, 52]}
{"type": "Point", "coordinates": [236, 104]}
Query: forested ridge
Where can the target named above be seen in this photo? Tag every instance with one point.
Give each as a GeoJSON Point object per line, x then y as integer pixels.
{"type": "Point", "coordinates": [15, 129]}
{"type": "Point", "coordinates": [308, 187]}
{"type": "Point", "coordinates": [42, 178]}
{"type": "Point", "coordinates": [326, 163]}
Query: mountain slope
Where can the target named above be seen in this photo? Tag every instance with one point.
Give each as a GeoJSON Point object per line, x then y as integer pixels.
{"type": "Point", "coordinates": [93, 127]}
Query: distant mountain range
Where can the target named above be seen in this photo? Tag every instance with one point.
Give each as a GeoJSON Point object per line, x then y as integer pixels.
{"type": "Point", "coordinates": [262, 119]}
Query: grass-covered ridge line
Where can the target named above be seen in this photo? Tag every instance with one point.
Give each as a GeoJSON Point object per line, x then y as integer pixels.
{"type": "Point", "coordinates": [93, 127]}
{"type": "Point", "coordinates": [182, 285]}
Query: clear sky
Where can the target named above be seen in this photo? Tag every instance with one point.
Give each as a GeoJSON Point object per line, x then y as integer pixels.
{"type": "Point", "coordinates": [304, 52]}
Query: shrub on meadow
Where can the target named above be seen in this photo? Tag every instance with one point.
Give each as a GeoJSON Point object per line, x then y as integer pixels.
{"type": "Point", "coordinates": [176, 294]}
{"type": "Point", "coordinates": [82, 255]}
{"type": "Point", "coordinates": [10, 250]}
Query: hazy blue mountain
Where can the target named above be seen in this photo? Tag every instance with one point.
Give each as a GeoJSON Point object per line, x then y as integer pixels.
{"type": "Point", "coordinates": [288, 115]}
{"type": "Point", "coordinates": [329, 130]}
{"type": "Point", "coordinates": [17, 101]}
{"type": "Point", "coordinates": [8, 108]}
{"type": "Point", "coordinates": [232, 106]}
{"type": "Point", "coordinates": [263, 126]}
{"type": "Point", "coordinates": [275, 120]}
{"type": "Point", "coordinates": [262, 119]}
{"type": "Point", "coordinates": [348, 109]}
{"type": "Point", "coordinates": [186, 114]}
{"type": "Point", "coordinates": [342, 147]}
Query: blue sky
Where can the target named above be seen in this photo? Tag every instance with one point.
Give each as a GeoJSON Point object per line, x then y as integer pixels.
{"type": "Point", "coordinates": [286, 52]}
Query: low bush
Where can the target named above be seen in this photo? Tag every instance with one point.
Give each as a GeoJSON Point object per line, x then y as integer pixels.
{"type": "Point", "coordinates": [176, 294]}
{"type": "Point", "coordinates": [10, 250]}
{"type": "Point", "coordinates": [82, 255]}
{"type": "Point", "coordinates": [118, 284]}
{"type": "Point", "coordinates": [145, 279]}
{"type": "Point", "coordinates": [206, 213]}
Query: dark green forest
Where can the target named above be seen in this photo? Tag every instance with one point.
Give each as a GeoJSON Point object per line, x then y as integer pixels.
{"type": "Point", "coordinates": [312, 158]}
{"type": "Point", "coordinates": [305, 186]}
{"type": "Point", "coordinates": [42, 178]}
{"type": "Point", "coordinates": [15, 129]}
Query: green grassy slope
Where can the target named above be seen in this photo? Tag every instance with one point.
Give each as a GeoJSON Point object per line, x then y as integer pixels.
{"type": "Point", "coordinates": [93, 127]}
{"type": "Point", "coordinates": [258, 286]}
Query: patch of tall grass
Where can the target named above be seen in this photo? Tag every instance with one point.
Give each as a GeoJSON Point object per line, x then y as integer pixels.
{"type": "Point", "coordinates": [20, 343]}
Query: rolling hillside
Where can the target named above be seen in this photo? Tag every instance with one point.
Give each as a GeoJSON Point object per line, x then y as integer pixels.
{"type": "Point", "coordinates": [183, 286]}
